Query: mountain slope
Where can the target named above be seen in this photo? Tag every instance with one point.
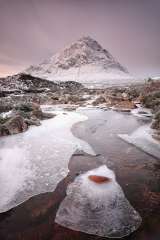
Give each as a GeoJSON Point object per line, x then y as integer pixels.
{"type": "Point", "coordinates": [84, 61]}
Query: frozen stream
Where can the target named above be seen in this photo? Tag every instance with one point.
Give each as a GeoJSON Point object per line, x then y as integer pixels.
{"type": "Point", "coordinates": [37, 160]}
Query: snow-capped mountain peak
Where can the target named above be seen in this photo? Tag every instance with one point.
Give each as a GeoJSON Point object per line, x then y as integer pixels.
{"type": "Point", "coordinates": [85, 61]}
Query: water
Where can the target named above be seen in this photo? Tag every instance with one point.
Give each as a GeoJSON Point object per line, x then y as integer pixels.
{"type": "Point", "coordinates": [136, 172]}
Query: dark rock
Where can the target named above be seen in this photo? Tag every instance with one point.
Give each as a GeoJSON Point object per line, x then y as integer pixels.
{"type": "Point", "coordinates": [4, 130]}
{"type": "Point", "coordinates": [5, 107]}
{"type": "Point", "coordinates": [13, 126]}
{"type": "Point", "coordinates": [156, 121]}
{"type": "Point", "coordinates": [31, 122]}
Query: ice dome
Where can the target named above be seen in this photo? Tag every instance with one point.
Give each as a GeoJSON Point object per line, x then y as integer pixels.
{"type": "Point", "coordinates": [98, 208]}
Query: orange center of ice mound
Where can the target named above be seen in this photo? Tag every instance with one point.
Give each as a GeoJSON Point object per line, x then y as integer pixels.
{"type": "Point", "coordinates": [99, 179]}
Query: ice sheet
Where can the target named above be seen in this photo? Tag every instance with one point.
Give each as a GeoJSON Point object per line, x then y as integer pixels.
{"type": "Point", "coordinates": [142, 138]}
{"type": "Point", "coordinates": [37, 160]}
{"type": "Point", "coordinates": [99, 209]}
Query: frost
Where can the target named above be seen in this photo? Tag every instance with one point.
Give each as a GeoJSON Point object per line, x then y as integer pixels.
{"type": "Point", "coordinates": [142, 138]}
{"type": "Point", "coordinates": [37, 160]}
{"type": "Point", "coordinates": [99, 209]}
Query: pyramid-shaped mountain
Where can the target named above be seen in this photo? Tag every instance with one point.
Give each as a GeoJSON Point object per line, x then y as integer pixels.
{"type": "Point", "coordinates": [84, 61]}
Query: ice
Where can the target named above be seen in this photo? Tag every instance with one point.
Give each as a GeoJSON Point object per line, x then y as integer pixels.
{"type": "Point", "coordinates": [37, 160]}
{"type": "Point", "coordinates": [142, 112]}
{"type": "Point", "coordinates": [99, 209]}
{"type": "Point", "coordinates": [142, 138]}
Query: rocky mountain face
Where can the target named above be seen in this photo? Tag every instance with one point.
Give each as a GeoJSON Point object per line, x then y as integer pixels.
{"type": "Point", "coordinates": [85, 61]}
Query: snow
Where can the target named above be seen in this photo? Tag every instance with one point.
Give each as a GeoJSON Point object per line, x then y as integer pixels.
{"type": "Point", "coordinates": [6, 114]}
{"type": "Point", "coordinates": [142, 138]}
{"type": "Point", "coordinates": [37, 160]}
{"type": "Point", "coordinates": [84, 61]}
{"type": "Point", "coordinates": [87, 74]}
{"type": "Point", "coordinates": [99, 209]}
{"type": "Point", "coordinates": [156, 78]}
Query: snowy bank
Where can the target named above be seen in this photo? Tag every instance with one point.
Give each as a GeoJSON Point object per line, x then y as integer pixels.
{"type": "Point", "coordinates": [36, 161]}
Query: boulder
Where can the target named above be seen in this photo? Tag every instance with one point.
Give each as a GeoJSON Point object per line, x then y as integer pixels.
{"type": "Point", "coordinates": [14, 125]}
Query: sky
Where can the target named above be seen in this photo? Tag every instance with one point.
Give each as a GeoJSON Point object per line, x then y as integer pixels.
{"type": "Point", "coordinates": [33, 30]}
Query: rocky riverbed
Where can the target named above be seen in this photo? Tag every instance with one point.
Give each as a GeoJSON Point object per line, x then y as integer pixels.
{"type": "Point", "coordinates": [24, 93]}
{"type": "Point", "coordinates": [48, 157]}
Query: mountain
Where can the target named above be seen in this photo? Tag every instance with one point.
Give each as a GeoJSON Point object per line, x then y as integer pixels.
{"type": "Point", "coordinates": [84, 61]}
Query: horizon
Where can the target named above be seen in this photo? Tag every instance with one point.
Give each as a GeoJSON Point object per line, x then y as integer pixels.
{"type": "Point", "coordinates": [34, 30]}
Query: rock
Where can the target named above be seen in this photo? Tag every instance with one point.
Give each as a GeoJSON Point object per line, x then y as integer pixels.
{"type": "Point", "coordinates": [37, 113]}
{"type": "Point", "coordinates": [47, 115]}
{"type": "Point", "coordinates": [70, 99]}
{"type": "Point", "coordinates": [151, 100]}
{"type": "Point", "coordinates": [13, 126]}
{"type": "Point", "coordinates": [125, 106]}
{"type": "Point", "coordinates": [4, 131]}
{"type": "Point", "coordinates": [156, 121]}
{"type": "Point", "coordinates": [156, 136]}
{"type": "Point", "coordinates": [99, 100]}
{"type": "Point", "coordinates": [99, 179]}
{"type": "Point", "coordinates": [3, 119]}
{"type": "Point", "coordinates": [70, 108]}
{"type": "Point", "coordinates": [31, 122]}
{"type": "Point", "coordinates": [27, 107]}
{"type": "Point", "coordinates": [5, 107]}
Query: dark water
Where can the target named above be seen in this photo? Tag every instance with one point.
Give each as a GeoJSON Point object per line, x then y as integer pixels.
{"type": "Point", "coordinates": [136, 172]}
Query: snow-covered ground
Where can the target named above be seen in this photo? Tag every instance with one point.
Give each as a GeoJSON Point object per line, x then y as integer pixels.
{"type": "Point", "coordinates": [37, 160]}
{"type": "Point", "coordinates": [88, 74]}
